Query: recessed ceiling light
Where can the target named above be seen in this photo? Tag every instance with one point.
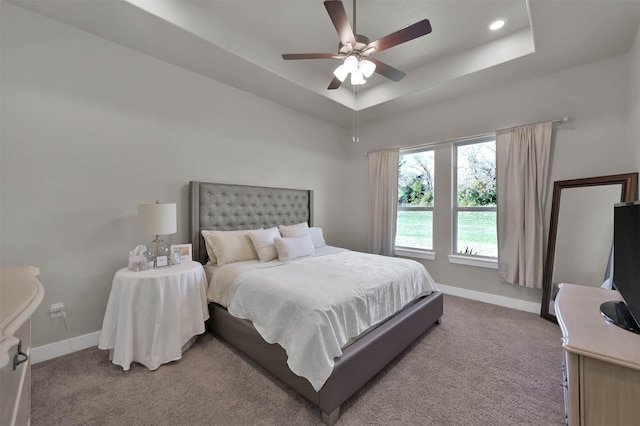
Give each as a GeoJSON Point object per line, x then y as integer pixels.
{"type": "Point", "coordinates": [496, 25]}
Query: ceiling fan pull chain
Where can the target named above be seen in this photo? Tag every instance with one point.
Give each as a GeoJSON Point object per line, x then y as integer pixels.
{"type": "Point", "coordinates": [356, 116]}
{"type": "Point", "coordinates": [356, 126]}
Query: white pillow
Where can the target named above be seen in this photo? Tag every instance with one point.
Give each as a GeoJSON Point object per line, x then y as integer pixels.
{"type": "Point", "coordinates": [263, 243]}
{"type": "Point", "coordinates": [317, 237]}
{"type": "Point", "coordinates": [293, 247]}
{"type": "Point", "coordinates": [207, 242]}
{"type": "Point", "coordinates": [229, 246]}
{"type": "Point", "coordinates": [296, 230]}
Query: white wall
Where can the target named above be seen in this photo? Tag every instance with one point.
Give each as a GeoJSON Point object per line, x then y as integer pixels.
{"type": "Point", "coordinates": [634, 98]}
{"type": "Point", "coordinates": [594, 143]}
{"type": "Point", "coordinates": [90, 128]}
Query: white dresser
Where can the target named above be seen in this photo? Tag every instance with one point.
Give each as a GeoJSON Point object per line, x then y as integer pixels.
{"type": "Point", "coordinates": [601, 360]}
{"type": "Point", "coordinates": [20, 295]}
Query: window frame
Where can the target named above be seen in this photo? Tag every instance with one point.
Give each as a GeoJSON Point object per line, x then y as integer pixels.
{"type": "Point", "coordinates": [418, 252]}
{"type": "Point", "coordinates": [456, 256]}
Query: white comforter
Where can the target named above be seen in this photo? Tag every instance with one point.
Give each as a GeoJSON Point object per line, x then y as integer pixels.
{"type": "Point", "coordinates": [314, 305]}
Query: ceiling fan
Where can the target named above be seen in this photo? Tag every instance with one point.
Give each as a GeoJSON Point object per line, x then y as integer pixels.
{"type": "Point", "coordinates": [356, 48]}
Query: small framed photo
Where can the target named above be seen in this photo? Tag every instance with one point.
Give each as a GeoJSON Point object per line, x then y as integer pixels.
{"type": "Point", "coordinates": [175, 258]}
{"type": "Point", "coordinates": [162, 261]}
{"type": "Point", "coordinates": [183, 249]}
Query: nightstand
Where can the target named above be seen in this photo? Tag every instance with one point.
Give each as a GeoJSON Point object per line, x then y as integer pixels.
{"type": "Point", "coordinates": [153, 316]}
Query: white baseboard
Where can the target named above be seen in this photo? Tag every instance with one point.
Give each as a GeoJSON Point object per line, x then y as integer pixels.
{"type": "Point", "coordinates": [494, 299]}
{"type": "Point", "coordinates": [54, 350]}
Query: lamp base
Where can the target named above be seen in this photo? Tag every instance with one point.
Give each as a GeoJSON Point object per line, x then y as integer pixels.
{"type": "Point", "coordinates": [158, 252]}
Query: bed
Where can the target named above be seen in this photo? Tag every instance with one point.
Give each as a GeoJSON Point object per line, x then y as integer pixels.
{"type": "Point", "coordinates": [226, 207]}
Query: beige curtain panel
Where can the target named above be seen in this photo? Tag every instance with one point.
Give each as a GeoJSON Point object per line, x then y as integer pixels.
{"type": "Point", "coordinates": [383, 200]}
{"type": "Point", "coordinates": [522, 173]}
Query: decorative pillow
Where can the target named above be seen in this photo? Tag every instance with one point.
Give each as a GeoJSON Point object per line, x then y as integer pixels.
{"type": "Point", "coordinates": [263, 243]}
{"type": "Point", "coordinates": [296, 230]}
{"type": "Point", "coordinates": [293, 247]}
{"type": "Point", "coordinates": [210, 236]}
{"type": "Point", "coordinates": [206, 235]}
{"type": "Point", "coordinates": [317, 237]}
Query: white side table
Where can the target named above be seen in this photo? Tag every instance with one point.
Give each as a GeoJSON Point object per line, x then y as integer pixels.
{"type": "Point", "coordinates": [153, 316]}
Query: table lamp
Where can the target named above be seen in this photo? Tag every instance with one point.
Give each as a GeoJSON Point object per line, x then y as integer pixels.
{"type": "Point", "coordinates": [158, 219]}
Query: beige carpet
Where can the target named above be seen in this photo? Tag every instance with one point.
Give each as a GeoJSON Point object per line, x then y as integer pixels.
{"type": "Point", "coordinates": [484, 365]}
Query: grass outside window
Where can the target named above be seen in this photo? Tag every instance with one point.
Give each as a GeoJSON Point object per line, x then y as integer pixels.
{"type": "Point", "coordinates": [477, 233]}
{"type": "Point", "coordinates": [415, 229]}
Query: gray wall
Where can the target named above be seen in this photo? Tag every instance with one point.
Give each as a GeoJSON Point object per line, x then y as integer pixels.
{"type": "Point", "coordinates": [634, 98]}
{"type": "Point", "coordinates": [91, 128]}
{"type": "Point", "coordinates": [594, 143]}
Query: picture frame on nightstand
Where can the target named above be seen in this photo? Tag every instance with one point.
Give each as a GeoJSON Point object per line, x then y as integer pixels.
{"type": "Point", "coordinates": [162, 261]}
{"type": "Point", "coordinates": [184, 250]}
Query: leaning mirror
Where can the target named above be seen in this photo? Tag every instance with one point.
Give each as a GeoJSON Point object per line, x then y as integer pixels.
{"type": "Point", "coordinates": [581, 232]}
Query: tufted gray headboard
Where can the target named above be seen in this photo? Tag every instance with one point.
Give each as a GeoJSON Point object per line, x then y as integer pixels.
{"type": "Point", "coordinates": [227, 207]}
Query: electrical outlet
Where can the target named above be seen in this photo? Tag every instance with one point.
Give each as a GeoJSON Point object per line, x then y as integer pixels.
{"type": "Point", "coordinates": [56, 310]}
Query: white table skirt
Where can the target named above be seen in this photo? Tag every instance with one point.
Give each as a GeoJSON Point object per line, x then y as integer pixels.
{"type": "Point", "coordinates": [152, 314]}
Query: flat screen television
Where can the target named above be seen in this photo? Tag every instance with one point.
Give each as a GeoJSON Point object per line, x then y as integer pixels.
{"type": "Point", "coordinates": [626, 267]}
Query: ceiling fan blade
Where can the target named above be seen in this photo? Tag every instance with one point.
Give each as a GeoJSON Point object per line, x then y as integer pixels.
{"type": "Point", "coordinates": [401, 36]}
{"type": "Point", "coordinates": [340, 20]}
{"type": "Point", "coordinates": [387, 70]}
{"type": "Point", "coordinates": [335, 83]}
{"type": "Point", "coordinates": [290, 56]}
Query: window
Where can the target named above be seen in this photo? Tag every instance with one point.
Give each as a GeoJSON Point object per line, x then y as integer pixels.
{"type": "Point", "coordinates": [475, 212]}
{"type": "Point", "coordinates": [414, 228]}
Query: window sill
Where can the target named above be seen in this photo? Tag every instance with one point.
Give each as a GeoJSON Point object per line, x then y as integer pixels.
{"type": "Point", "coordinates": [481, 262]}
{"type": "Point", "coordinates": [418, 254]}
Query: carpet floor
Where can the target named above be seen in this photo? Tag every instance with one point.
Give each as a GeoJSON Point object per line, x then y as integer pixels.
{"type": "Point", "coordinates": [483, 365]}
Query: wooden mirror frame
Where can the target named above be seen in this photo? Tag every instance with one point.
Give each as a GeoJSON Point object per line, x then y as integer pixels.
{"type": "Point", "coordinates": [629, 182]}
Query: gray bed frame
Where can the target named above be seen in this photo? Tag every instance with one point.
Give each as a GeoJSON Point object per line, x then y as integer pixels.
{"type": "Point", "coordinates": [232, 207]}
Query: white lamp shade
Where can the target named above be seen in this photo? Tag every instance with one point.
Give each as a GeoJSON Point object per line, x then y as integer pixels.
{"type": "Point", "coordinates": [158, 218]}
{"type": "Point", "coordinates": [351, 63]}
{"type": "Point", "coordinates": [367, 68]}
{"type": "Point", "coordinates": [341, 73]}
{"type": "Point", "coordinates": [357, 78]}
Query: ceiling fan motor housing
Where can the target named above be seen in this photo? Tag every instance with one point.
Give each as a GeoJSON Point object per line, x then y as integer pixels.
{"type": "Point", "coordinates": [361, 43]}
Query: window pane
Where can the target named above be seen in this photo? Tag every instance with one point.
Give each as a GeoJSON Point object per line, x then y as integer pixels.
{"type": "Point", "coordinates": [477, 233]}
{"type": "Point", "coordinates": [415, 180]}
{"type": "Point", "coordinates": [415, 229]}
{"type": "Point", "coordinates": [415, 189]}
{"type": "Point", "coordinates": [476, 174]}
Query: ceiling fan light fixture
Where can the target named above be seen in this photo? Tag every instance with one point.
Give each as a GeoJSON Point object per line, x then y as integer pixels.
{"type": "Point", "coordinates": [367, 67]}
{"type": "Point", "coordinates": [357, 78]}
{"type": "Point", "coordinates": [341, 73]}
{"type": "Point", "coordinates": [351, 64]}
